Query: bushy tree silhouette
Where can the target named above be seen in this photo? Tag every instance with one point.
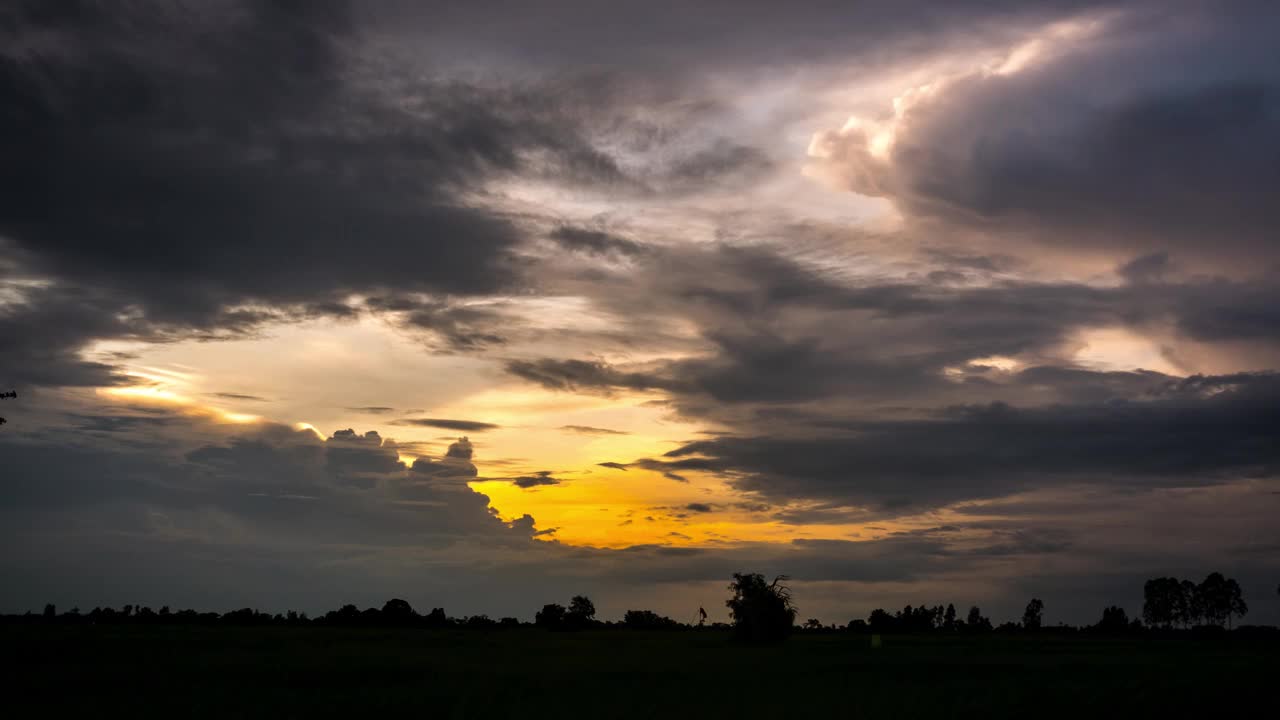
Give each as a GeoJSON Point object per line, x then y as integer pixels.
{"type": "Point", "coordinates": [648, 620]}
{"type": "Point", "coordinates": [1114, 620]}
{"type": "Point", "coordinates": [761, 611]}
{"type": "Point", "coordinates": [398, 612]}
{"type": "Point", "coordinates": [1032, 616]}
{"type": "Point", "coordinates": [551, 617]}
{"type": "Point", "coordinates": [581, 613]}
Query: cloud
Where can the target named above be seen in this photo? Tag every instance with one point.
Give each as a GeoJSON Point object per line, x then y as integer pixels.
{"type": "Point", "coordinates": [467, 425]}
{"type": "Point", "coordinates": [594, 241]}
{"type": "Point", "coordinates": [1202, 430]}
{"type": "Point", "coordinates": [556, 374]}
{"type": "Point", "coordinates": [538, 479]}
{"type": "Point", "coordinates": [1148, 129]}
{"type": "Point", "coordinates": [588, 430]}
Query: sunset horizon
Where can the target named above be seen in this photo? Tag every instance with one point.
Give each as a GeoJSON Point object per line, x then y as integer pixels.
{"type": "Point", "coordinates": [487, 306]}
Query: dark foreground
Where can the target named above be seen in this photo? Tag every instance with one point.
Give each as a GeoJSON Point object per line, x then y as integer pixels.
{"type": "Point", "coordinates": [528, 673]}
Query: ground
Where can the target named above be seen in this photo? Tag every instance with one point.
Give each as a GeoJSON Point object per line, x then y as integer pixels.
{"type": "Point", "coordinates": [285, 672]}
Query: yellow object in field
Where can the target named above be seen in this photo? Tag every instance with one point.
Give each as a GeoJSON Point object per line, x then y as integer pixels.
{"type": "Point", "coordinates": [875, 641]}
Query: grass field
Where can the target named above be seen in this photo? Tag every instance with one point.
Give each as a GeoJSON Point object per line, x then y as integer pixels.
{"type": "Point", "coordinates": [528, 673]}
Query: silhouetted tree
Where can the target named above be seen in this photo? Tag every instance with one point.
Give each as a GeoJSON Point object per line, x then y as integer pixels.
{"type": "Point", "coordinates": [949, 618]}
{"type": "Point", "coordinates": [1114, 620]}
{"type": "Point", "coordinates": [813, 624]}
{"type": "Point", "coordinates": [551, 616]}
{"type": "Point", "coordinates": [880, 621]}
{"type": "Point", "coordinates": [647, 620]}
{"type": "Point", "coordinates": [1190, 610]}
{"type": "Point", "coordinates": [761, 611]}
{"type": "Point", "coordinates": [436, 618]}
{"type": "Point", "coordinates": [1235, 601]}
{"type": "Point", "coordinates": [976, 621]}
{"type": "Point", "coordinates": [1031, 617]}
{"type": "Point", "coordinates": [398, 612]}
{"type": "Point", "coordinates": [1162, 598]}
{"type": "Point", "coordinates": [581, 612]}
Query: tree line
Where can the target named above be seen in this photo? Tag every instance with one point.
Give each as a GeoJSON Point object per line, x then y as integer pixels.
{"type": "Point", "coordinates": [760, 611]}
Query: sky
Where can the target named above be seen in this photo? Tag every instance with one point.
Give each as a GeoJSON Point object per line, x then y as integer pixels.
{"type": "Point", "coordinates": [483, 305]}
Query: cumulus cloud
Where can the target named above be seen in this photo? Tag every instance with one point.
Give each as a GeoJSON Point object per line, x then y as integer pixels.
{"type": "Point", "coordinates": [1149, 128]}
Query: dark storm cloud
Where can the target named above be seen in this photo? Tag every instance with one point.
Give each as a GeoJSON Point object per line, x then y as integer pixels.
{"type": "Point", "coordinates": [40, 338]}
{"type": "Point", "coordinates": [1187, 432]}
{"type": "Point", "coordinates": [1158, 131]}
{"type": "Point", "coordinates": [189, 162]}
{"type": "Point", "coordinates": [204, 172]}
{"type": "Point", "coordinates": [773, 332]}
{"type": "Point", "coordinates": [666, 35]}
{"type": "Point", "coordinates": [353, 482]}
{"type": "Point", "coordinates": [466, 425]}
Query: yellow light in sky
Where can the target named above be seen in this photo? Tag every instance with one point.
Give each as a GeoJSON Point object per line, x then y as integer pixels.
{"type": "Point", "coordinates": [163, 396]}
{"type": "Point", "coordinates": [1121, 349]}
{"type": "Point", "coordinates": [536, 429]}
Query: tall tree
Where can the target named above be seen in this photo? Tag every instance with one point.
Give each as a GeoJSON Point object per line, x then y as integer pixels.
{"type": "Point", "coordinates": [581, 613]}
{"type": "Point", "coordinates": [1235, 601]}
{"type": "Point", "coordinates": [1162, 600]}
{"type": "Point", "coordinates": [1031, 617]}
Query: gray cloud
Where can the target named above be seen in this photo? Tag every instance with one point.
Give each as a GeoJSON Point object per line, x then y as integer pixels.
{"type": "Point", "coordinates": [538, 479]}
{"type": "Point", "coordinates": [588, 430]}
{"type": "Point", "coordinates": [1190, 432]}
{"type": "Point", "coordinates": [1156, 132]}
{"type": "Point", "coordinates": [466, 425]}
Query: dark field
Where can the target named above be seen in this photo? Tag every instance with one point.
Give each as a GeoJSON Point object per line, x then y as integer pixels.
{"type": "Point", "coordinates": [529, 673]}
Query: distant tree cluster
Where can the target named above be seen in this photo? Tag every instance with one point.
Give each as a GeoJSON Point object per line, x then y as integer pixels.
{"type": "Point", "coordinates": [394, 613]}
{"type": "Point", "coordinates": [761, 611]}
{"type": "Point", "coordinates": [649, 620]}
{"type": "Point", "coordinates": [921, 619]}
{"type": "Point", "coordinates": [580, 615]}
{"type": "Point", "coordinates": [1170, 602]}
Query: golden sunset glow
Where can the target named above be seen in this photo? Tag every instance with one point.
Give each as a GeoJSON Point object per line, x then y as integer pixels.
{"type": "Point", "coordinates": [360, 300]}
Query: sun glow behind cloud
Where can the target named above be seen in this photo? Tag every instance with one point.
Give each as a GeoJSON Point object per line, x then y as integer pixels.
{"type": "Point", "coordinates": [536, 430]}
